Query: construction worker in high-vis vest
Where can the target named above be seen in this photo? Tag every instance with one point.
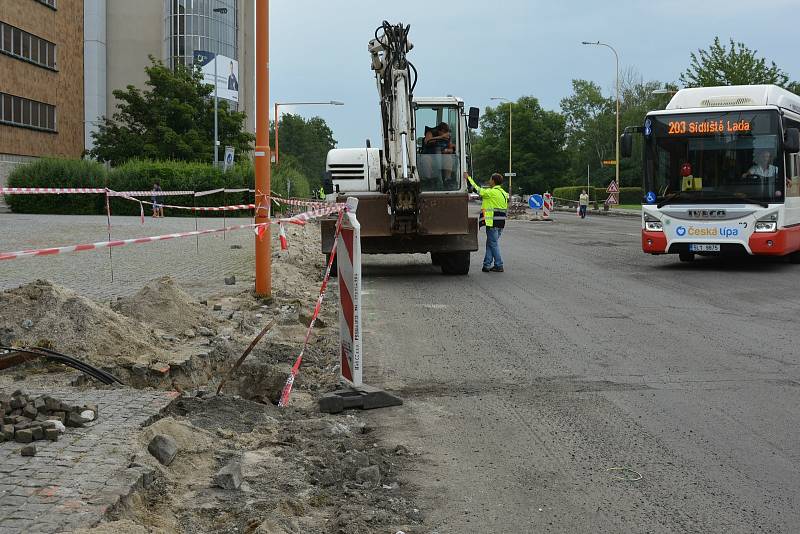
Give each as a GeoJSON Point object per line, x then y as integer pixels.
{"type": "Point", "coordinates": [322, 193]}
{"type": "Point", "coordinates": [493, 215]}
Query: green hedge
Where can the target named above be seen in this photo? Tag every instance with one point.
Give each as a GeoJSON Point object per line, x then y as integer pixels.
{"type": "Point", "coordinates": [58, 173]}
{"type": "Point", "coordinates": [628, 195]}
{"type": "Point", "coordinates": [140, 176]}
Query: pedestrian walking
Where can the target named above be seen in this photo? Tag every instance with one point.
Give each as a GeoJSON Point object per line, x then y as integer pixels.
{"type": "Point", "coordinates": [583, 204]}
{"type": "Point", "coordinates": [494, 206]}
{"type": "Point", "coordinates": [158, 202]}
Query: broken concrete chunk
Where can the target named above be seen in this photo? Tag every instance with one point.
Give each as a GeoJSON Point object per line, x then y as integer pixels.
{"type": "Point", "coordinates": [51, 434]}
{"type": "Point", "coordinates": [190, 333]}
{"type": "Point", "coordinates": [217, 307]}
{"type": "Point", "coordinates": [37, 432]}
{"type": "Point", "coordinates": [88, 415]}
{"type": "Point", "coordinates": [369, 475]}
{"type": "Point", "coordinates": [24, 435]}
{"type": "Point", "coordinates": [75, 420]}
{"type": "Point", "coordinates": [163, 448]}
{"type": "Point", "coordinates": [229, 477]}
{"type": "Point", "coordinates": [205, 332]}
{"type": "Point", "coordinates": [8, 432]}
{"type": "Point", "coordinates": [230, 280]}
{"type": "Point", "coordinates": [30, 411]}
{"type": "Point", "coordinates": [29, 450]}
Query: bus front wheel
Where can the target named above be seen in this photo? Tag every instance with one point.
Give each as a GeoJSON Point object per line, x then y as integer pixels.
{"type": "Point", "coordinates": [686, 256]}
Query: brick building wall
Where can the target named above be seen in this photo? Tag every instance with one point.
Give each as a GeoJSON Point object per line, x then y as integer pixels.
{"type": "Point", "coordinates": [61, 87]}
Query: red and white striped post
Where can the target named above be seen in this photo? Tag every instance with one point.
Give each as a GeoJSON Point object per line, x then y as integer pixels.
{"type": "Point", "coordinates": [547, 206]}
{"type": "Point", "coordinates": [348, 253]}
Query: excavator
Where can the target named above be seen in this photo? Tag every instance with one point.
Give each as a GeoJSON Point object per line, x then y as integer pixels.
{"type": "Point", "coordinates": [412, 197]}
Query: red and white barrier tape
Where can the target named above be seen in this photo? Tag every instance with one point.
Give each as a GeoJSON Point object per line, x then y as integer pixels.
{"type": "Point", "coordinates": [51, 190]}
{"type": "Point", "coordinates": [119, 243]}
{"type": "Point", "coordinates": [235, 207]}
{"type": "Point", "coordinates": [287, 388]}
{"type": "Point", "coordinates": [282, 236]}
{"type": "Point", "coordinates": [298, 220]}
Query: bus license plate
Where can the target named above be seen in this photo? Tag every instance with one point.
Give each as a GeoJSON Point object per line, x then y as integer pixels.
{"type": "Point", "coordinates": [703, 248]}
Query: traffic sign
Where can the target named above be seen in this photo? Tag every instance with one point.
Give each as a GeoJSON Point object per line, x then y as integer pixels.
{"type": "Point", "coordinates": [612, 187]}
{"type": "Point", "coordinates": [510, 174]}
{"type": "Point", "coordinates": [535, 202]}
{"type": "Point", "coordinates": [609, 162]}
{"type": "Point", "coordinates": [612, 199]}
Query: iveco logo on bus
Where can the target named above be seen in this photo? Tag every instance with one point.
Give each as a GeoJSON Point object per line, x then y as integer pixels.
{"type": "Point", "coordinates": [707, 214]}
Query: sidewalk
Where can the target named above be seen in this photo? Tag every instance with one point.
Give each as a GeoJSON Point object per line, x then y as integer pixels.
{"type": "Point", "coordinates": [613, 212]}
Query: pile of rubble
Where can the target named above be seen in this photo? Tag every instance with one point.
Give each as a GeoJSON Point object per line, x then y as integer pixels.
{"type": "Point", "coordinates": [27, 419]}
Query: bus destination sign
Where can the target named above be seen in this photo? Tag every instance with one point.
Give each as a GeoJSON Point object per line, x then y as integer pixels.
{"type": "Point", "coordinates": [708, 127]}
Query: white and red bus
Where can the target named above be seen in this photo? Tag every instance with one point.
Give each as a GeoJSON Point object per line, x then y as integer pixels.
{"type": "Point", "coordinates": [722, 173]}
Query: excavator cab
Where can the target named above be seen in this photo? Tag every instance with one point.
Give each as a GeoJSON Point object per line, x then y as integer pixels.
{"type": "Point", "coordinates": [439, 147]}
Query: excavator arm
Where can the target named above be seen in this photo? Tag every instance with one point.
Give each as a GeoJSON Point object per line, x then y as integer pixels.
{"type": "Point", "coordinates": [396, 79]}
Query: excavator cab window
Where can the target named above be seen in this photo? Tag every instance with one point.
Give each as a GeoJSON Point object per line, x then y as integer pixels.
{"type": "Point", "coordinates": [438, 148]}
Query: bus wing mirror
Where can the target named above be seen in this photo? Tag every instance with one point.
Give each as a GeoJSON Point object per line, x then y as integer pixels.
{"type": "Point", "coordinates": [626, 145]}
{"type": "Point", "coordinates": [791, 141]}
{"type": "Point", "coordinates": [474, 118]}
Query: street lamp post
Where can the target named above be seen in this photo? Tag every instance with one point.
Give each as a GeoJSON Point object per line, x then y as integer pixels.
{"type": "Point", "coordinates": [616, 56]}
{"type": "Point", "coordinates": [278, 104]}
{"type": "Point", "coordinates": [510, 106]}
{"type": "Point", "coordinates": [221, 11]}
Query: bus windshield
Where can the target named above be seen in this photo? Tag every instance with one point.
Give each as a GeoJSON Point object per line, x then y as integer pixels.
{"type": "Point", "coordinates": [438, 148]}
{"type": "Point", "coordinates": [706, 157]}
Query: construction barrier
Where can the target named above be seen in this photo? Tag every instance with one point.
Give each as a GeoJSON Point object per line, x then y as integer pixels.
{"type": "Point", "coordinates": [348, 250]}
{"type": "Point", "coordinates": [547, 207]}
{"type": "Point", "coordinates": [287, 388]}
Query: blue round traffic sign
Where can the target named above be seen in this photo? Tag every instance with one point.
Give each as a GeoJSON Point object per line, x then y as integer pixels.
{"type": "Point", "coordinates": [535, 202]}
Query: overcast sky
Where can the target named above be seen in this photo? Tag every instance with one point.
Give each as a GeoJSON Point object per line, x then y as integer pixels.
{"type": "Point", "coordinates": [509, 48]}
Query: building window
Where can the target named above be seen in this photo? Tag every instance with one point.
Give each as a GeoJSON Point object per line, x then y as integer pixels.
{"type": "Point", "coordinates": [26, 46]}
{"type": "Point", "coordinates": [18, 111]}
{"type": "Point", "coordinates": [193, 25]}
{"type": "Point", "coordinates": [48, 3]}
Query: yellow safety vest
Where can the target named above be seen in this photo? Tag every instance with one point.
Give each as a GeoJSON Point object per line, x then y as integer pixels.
{"type": "Point", "coordinates": [493, 206]}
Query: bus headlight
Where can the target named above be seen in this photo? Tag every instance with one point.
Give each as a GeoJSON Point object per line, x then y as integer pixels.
{"type": "Point", "coordinates": [766, 226]}
{"type": "Point", "coordinates": [767, 223]}
{"type": "Point", "coordinates": [651, 224]}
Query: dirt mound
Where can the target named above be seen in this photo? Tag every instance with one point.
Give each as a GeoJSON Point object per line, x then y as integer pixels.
{"type": "Point", "coordinates": [163, 304]}
{"type": "Point", "coordinates": [45, 314]}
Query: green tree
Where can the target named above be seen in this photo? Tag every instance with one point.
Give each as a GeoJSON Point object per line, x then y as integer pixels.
{"type": "Point", "coordinates": [305, 143]}
{"type": "Point", "coordinates": [538, 139]}
{"type": "Point", "coordinates": [173, 118]}
{"type": "Point", "coordinates": [590, 131]}
{"type": "Point", "coordinates": [733, 65]}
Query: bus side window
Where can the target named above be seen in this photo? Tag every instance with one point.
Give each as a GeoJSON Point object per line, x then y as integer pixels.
{"type": "Point", "coordinates": [793, 176]}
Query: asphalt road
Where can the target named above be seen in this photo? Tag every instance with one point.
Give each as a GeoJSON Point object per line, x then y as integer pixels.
{"type": "Point", "coordinates": [524, 389]}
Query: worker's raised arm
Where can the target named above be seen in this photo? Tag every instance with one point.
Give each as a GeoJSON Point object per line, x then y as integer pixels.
{"type": "Point", "coordinates": [478, 189]}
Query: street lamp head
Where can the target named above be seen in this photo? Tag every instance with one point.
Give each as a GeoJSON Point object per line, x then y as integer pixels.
{"type": "Point", "coordinates": [664, 92]}
{"type": "Point", "coordinates": [336, 103]}
{"type": "Point", "coordinates": [221, 10]}
{"type": "Point", "coordinates": [589, 43]}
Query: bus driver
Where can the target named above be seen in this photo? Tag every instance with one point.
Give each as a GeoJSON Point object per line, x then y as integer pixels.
{"type": "Point", "coordinates": [762, 165]}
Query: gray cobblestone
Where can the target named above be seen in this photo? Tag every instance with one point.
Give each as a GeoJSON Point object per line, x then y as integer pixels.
{"type": "Point", "coordinates": [74, 484]}
{"type": "Point", "coordinates": [88, 272]}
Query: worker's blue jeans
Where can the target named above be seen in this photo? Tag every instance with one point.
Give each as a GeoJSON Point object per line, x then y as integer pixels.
{"type": "Point", "coordinates": [493, 247]}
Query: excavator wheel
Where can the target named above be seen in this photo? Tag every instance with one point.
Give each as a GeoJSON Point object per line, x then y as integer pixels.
{"type": "Point", "coordinates": [436, 258]}
{"type": "Point", "coordinates": [455, 263]}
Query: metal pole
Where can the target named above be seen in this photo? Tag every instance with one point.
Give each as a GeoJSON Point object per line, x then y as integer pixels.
{"type": "Point", "coordinates": [617, 138]}
{"type": "Point", "coordinates": [262, 151]}
{"type": "Point", "coordinates": [510, 191]}
{"type": "Point", "coordinates": [277, 153]}
{"type": "Point", "coordinates": [108, 216]}
{"type": "Point", "coordinates": [216, 124]}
